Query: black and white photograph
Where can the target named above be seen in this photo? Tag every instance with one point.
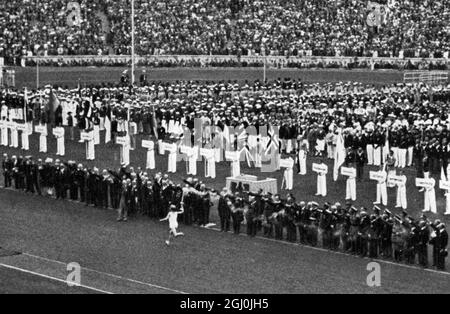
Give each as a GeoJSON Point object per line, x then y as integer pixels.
{"type": "Point", "coordinates": [224, 152]}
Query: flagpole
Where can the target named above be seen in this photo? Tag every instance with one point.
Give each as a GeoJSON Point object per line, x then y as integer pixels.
{"type": "Point", "coordinates": [265, 66]}
{"type": "Point", "coordinates": [37, 73]}
{"type": "Point", "coordinates": [132, 44]}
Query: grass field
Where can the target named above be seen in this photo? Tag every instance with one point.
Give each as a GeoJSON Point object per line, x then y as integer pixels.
{"type": "Point", "coordinates": [93, 75]}
{"type": "Point", "coordinates": [132, 257]}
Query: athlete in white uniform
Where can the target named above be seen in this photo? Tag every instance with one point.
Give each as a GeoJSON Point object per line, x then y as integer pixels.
{"type": "Point", "coordinates": [172, 217]}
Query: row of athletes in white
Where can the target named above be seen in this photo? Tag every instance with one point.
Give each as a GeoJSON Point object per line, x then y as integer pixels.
{"type": "Point", "coordinates": [403, 156]}
{"type": "Point", "coordinates": [383, 181]}
{"type": "Point", "coordinates": [9, 137]}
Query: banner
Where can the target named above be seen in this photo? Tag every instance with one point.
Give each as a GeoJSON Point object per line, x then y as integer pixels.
{"type": "Point", "coordinates": [287, 163]}
{"type": "Point", "coordinates": [186, 150]}
{"type": "Point", "coordinates": [148, 144]}
{"type": "Point", "coordinates": [320, 168]}
{"type": "Point", "coordinates": [425, 183]}
{"type": "Point", "coordinates": [232, 155]}
{"type": "Point", "coordinates": [207, 153]}
{"type": "Point", "coordinates": [87, 136]}
{"type": "Point", "coordinates": [42, 129]}
{"type": "Point", "coordinates": [58, 132]}
{"type": "Point", "coordinates": [377, 176]}
{"type": "Point", "coordinates": [21, 127]}
{"type": "Point", "coordinates": [348, 172]}
{"type": "Point", "coordinates": [122, 140]}
{"type": "Point", "coordinates": [396, 180]}
{"type": "Point", "coordinates": [73, 14]}
{"type": "Point", "coordinates": [444, 185]}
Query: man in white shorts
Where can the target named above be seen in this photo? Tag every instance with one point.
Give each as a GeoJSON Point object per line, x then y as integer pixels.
{"type": "Point", "coordinates": [172, 217]}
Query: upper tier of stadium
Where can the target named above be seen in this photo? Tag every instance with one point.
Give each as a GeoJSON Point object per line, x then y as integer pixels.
{"type": "Point", "coordinates": [419, 28]}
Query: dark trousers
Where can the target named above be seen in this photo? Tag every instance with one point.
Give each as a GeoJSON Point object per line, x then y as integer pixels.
{"type": "Point", "coordinates": [8, 179]}
{"type": "Point", "coordinates": [225, 223]}
{"type": "Point", "coordinates": [422, 251]}
{"type": "Point", "coordinates": [441, 260]}
{"type": "Point", "coordinates": [359, 172]}
{"type": "Point", "coordinates": [251, 227]}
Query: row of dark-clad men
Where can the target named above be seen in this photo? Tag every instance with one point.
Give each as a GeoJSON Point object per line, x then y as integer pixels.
{"type": "Point", "coordinates": [126, 190]}
{"type": "Point", "coordinates": [334, 227]}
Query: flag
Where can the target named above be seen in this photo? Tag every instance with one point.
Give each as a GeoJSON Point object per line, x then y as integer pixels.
{"type": "Point", "coordinates": [25, 105]}
{"type": "Point", "coordinates": [154, 123]}
{"type": "Point", "coordinates": [443, 175]}
{"type": "Point", "coordinates": [339, 156]}
{"type": "Point", "coordinates": [273, 140]}
{"type": "Point", "coordinates": [386, 147]}
{"type": "Point", "coordinates": [52, 104]}
{"type": "Point", "coordinates": [108, 124]}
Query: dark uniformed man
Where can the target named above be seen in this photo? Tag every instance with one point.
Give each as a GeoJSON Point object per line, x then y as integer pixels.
{"type": "Point", "coordinates": [443, 243]}
{"type": "Point", "coordinates": [7, 168]}
{"type": "Point", "coordinates": [224, 211]}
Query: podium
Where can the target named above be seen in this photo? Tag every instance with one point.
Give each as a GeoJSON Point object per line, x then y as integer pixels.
{"type": "Point", "coordinates": [252, 184]}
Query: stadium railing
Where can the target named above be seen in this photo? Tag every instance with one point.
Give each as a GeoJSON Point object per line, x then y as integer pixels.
{"type": "Point", "coordinates": [430, 77]}
{"type": "Point", "coordinates": [229, 60]}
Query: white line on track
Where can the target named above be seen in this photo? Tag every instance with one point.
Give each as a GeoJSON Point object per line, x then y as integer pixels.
{"type": "Point", "coordinates": [109, 275]}
{"type": "Point", "coordinates": [52, 278]}
{"type": "Point", "coordinates": [342, 253]}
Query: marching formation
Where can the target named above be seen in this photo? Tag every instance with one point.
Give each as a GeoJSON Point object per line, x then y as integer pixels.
{"type": "Point", "coordinates": [271, 126]}
{"type": "Point", "coordinates": [376, 234]}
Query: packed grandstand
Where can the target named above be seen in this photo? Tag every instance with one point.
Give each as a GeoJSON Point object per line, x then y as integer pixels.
{"type": "Point", "coordinates": [234, 27]}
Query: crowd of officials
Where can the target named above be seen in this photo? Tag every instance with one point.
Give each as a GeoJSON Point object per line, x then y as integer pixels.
{"type": "Point", "coordinates": [373, 233]}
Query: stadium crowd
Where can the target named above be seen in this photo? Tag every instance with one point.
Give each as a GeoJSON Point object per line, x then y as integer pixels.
{"type": "Point", "coordinates": [233, 27]}
{"type": "Point", "coordinates": [411, 120]}
{"type": "Point", "coordinates": [332, 226]}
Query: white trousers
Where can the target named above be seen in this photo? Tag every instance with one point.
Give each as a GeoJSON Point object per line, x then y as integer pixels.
{"type": "Point", "coordinates": [395, 151]}
{"type": "Point", "coordinates": [4, 136]}
{"type": "Point", "coordinates": [235, 169]}
{"type": "Point", "coordinates": [210, 168]}
{"type": "Point", "coordinates": [430, 201]}
{"type": "Point", "coordinates": [258, 160]}
{"type": "Point", "coordinates": [302, 162]}
{"type": "Point", "coordinates": [447, 204]}
{"type": "Point", "coordinates": [192, 166]}
{"type": "Point", "coordinates": [25, 140]}
{"type": "Point", "coordinates": [410, 156]}
{"type": "Point", "coordinates": [350, 191]}
{"type": "Point", "coordinates": [150, 164]}
{"type": "Point", "coordinates": [382, 193]}
{"type": "Point", "coordinates": [288, 178]}
{"type": "Point", "coordinates": [370, 151]}
{"type": "Point", "coordinates": [402, 157]}
{"type": "Point", "coordinates": [96, 134]}
{"type": "Point", "coordinates": [377, 156]}
{"type": "Point", "coordinates": [90, 150]}
{"type": "Point", "coordinates": [172, 163]}
{"type": "Point", "coordinates": [60, 147]}
{"type": "Point", "coordinates": [125, 155]}
{"type": "Point", "coordinates": [14, 139]}
{"type": "Point", "coordinates": [401, 197]}
{"type": "Point", "coordinates": [322, 185]}
{"type": "Point", "coordinates": [42, 143]}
